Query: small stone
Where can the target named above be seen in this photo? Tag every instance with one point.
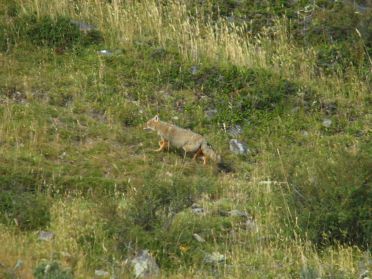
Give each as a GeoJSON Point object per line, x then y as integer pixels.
{"type": "Point", "coordinates": [237, 213]}
{"type": "Point", "coordinates": [19, 265]}
{"type": "Point", "coordinates": [364, 275]}
{"type": "Point", "coordinates": [235, 131]}
{"type": "Point", "coordinates": [238, 147]}
{"type": "Point", "coordinates": [159, 53]}
{"type": "Point", "coordinates": [327, 123]}
{"type": "Point", "coordinates": [198, 210]}
{"type": "Point", "coordinates": [65, 254]}
{"type": "Point", "coordinates": [101, 273]}
{"type": "Point", "coordinates": [295, 109]}
{"type": "Point", "coordinates": [145, 266]}
{"type": "Point", "coordinates": [329, 108]}
{"type": "Point", "coordinates": [267, 182]}
{"type": "Point", "coordinates": [230, 19]}
{"type": "Point", "coordinates": [175, 117]}
{"type": "Point", "coordinates": [305, 133]}
{"type": "Point", "coordinates": [210, 113]}
{"type": "Point", "coordinates": [105, 52]}
{"type": "Point", "coordinates": [214, 258]}
{"type": "Point", "coordinates": [46, 236]}
{"type": "Point", "coordinates": [83, 26]}
{"type": "Point", "coordinates": [198, 237]}
{"type": "Point", "coordinates": [250, 225]}
{"type": "Point", "coordinates": [194, 70]}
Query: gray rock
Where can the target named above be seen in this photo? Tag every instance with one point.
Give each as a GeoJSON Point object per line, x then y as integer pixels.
{"type": "Point", "coordinates": [238, 147]}
{"type": "Point", "coordinates": [210, 113]}
{"type": "Point", "coordinates": [214, 258]}
{"type": "Point", "coordinates": [19, 265]}
{"type": "Point", "coordinates": [83, 26]}
{"type": "Point", "coordinates": [194, 70]}
{"type": "Point", "coordinates": [329, 108]}
{"type": "Point", "coordinates": [364, 274]}
{"type": "Point", "coordinates": [46, 236]}
{"type": "Point", "coordinates": [230, 19]}
{"type": "Point", "coordinates": [159, 53]}
{"type": "Point", "coordinates": [198, 210]}
{"type": "Point", "coordinates": [235, 131]}
{"type": "Point", "coordinates": [238, 213]}
{"type": "Point", "coordinates": [250, 225]}
{"type": "Point", "coordinates": [105, 52]}
{"type": "Point", "coordinates": [295, 109]}
{"type": "Point", "coordinates": [327, 123]}
{"type": "Point", "coordinates": [305, 133]}
{"type": "Point", "coordinates": [144, 265]}
{"type": "Point", "coordinates": [198, 238]}
{"type": "Point", "coordinates": [101, 273]}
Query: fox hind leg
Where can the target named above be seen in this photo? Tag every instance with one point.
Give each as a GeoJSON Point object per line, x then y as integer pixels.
{"type": "Point", "coordinates": [205, 159]}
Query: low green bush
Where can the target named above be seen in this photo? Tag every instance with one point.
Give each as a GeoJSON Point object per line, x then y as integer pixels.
{"type": "Point", "coordinates": [236, 93]}
{"type": "Point", "coordinates": [52, 270]}
{"type": "Point", "coordinates": [331, 195]}
{"type": "Point", "coordinates": [28, 211]}
{"type": "Point", "coordinates": [158, 217]}
{"type": "Point", "coordinates": [46, 31]}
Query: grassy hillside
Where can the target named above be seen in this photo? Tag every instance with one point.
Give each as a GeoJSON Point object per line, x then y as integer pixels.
{"type": "Point", "coordinates": [292, 81]}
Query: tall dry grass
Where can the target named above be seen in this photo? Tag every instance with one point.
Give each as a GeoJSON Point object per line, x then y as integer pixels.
{"type": "Point", "coordinates": [197, 37]}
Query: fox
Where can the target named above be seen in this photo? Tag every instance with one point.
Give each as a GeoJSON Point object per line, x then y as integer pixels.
{"type": "Point", "coordinates": [189, 141]}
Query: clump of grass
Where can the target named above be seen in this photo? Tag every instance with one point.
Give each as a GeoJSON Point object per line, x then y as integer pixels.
{"type": "Point", "coordinates": [46, 31]}
{"type": "Point", "coordinates": [51, 270]}
{"type": "Point", "coordinates": [330, 203]}
{"type": "Point", "coordinates": [27, 211]}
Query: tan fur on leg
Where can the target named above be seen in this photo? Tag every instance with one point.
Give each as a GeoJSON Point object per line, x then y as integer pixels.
{"type": "Point", "coordinates": [197, 154]}
{"type": "Point", "coordinates": [162, 144]}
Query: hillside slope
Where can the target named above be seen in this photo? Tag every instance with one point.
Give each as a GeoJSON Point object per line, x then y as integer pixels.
{"type": "Point", "coordinates": [81, 189]}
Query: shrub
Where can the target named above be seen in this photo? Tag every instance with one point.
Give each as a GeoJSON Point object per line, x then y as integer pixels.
{"type": "Point", "coordinates": [339, 57]}
{"type": "Point", "coordinates": [51, 270]}
{"type": "Point", "coordinates": [331, 195]}
{"type": "Point", "coordinates": [53, 33]}
{"type": "Point", "coordinates": [59, 32]}
{"type": "Point", "coordinates": [234, 92]}
{"type": "Point", "coordinates": [30, 211]}
{"type": "Point", "coordinates": [156, 216]}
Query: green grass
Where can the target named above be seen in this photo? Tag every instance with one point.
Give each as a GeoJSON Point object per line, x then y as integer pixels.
{"type": "Point", "coordinates": [75, 160]}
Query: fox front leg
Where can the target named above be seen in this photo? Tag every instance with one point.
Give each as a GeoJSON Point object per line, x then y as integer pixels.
{"type": "Point", "coordinates": [162, 143]}
{"type": "Point", "coordinates": [184, 156]}
{"type": "Point", "coordinates": [197, 154]}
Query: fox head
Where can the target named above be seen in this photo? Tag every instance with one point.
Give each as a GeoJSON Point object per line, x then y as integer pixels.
{"type": "Point", "coordinates": [151, 124]}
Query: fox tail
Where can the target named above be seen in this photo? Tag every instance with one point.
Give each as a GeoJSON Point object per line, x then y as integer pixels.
{"type": "Point", "coordinates": [209, 152]}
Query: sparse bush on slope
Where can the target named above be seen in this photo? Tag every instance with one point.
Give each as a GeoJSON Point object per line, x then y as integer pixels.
{"type": "Point", "coordinates": [330, 194]}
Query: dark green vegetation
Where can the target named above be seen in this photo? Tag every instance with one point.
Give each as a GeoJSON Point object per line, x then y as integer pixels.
{"type": "Point", "coordinates": [75, 160]}
{"type": "Point", "coordinates": [51, 271]}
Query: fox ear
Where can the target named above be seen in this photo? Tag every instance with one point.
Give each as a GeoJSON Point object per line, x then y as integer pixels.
{"type": "Point", "coordinates": [156, 118]}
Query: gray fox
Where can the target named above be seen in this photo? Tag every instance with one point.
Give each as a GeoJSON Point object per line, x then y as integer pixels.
{"type": "Point", "coordinates": [178, 137]}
